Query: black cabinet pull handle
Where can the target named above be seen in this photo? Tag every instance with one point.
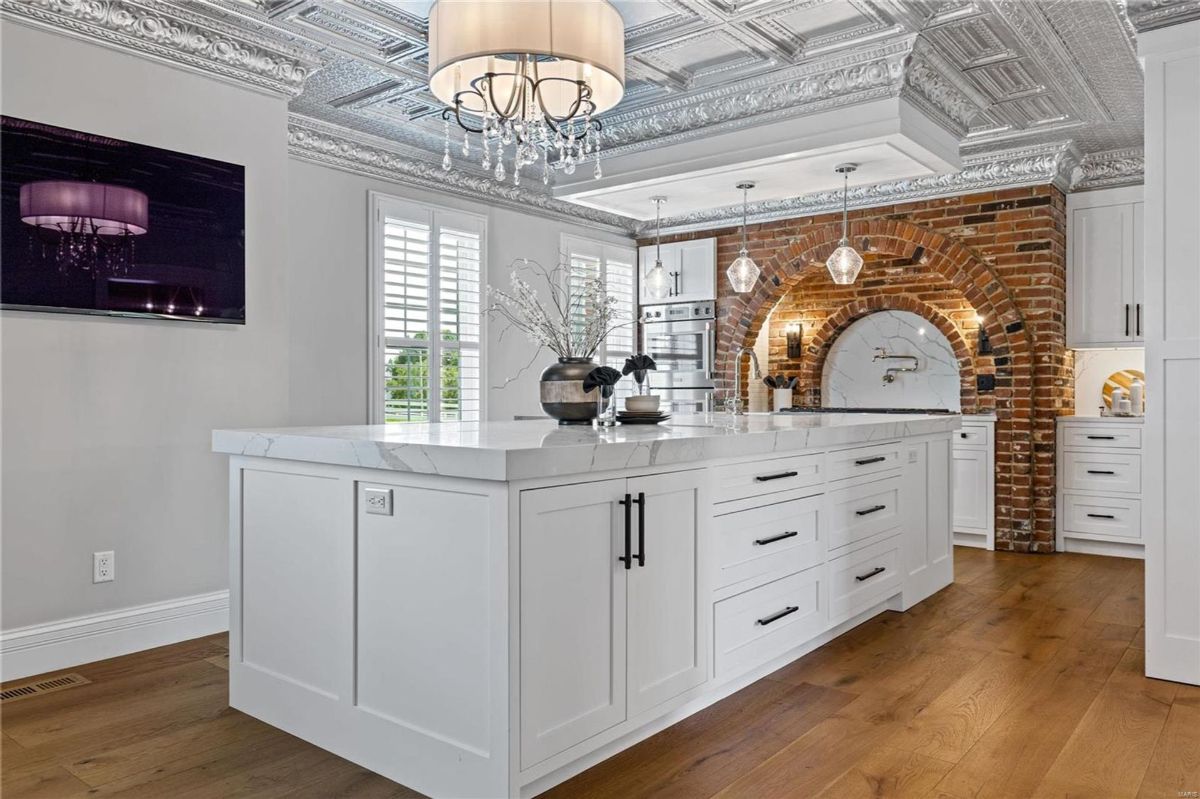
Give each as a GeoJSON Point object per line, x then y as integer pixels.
{"type": "Point", "coordinates": [1127, 319]}
{"type": "Point", "coordinates": [870, 574]}
{"type": "Point", "coordinates": [1100, 471]}
{"type": "Point", "coordinates": [1139, 319]}
{"type": "Point", "coordinates": [777, 616]}
{"type": "Point", "coordinates": [1101, 516]}
{"type": "Point", "coordinates": [1102, 438]}
{"type": "Point", "coordinates": [762, 478]}
{"type": "Point", "coordinates": [869, 511]}
{"type": "Point", "coordinates": [964, 435]}
{"type": "Point", "coordinates": [764, 541]}
{"type": "Point", "coordinates": [865, 461]}
{"type": "Point", "coordinates": [627, 558]}
{"type": "Point", "coordinates": [641, 503]}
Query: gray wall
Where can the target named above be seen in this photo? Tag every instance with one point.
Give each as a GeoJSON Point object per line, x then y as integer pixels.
{"type": "Point", "coordinates": [107, 422]}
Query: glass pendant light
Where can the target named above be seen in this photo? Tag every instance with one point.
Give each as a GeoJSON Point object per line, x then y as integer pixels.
{"type": "Point", "coordinates": [656, 282]}
{"type": "Point", "coordinates": [845, 263]}
{"type": "Point", "coordinates": [743, 272]}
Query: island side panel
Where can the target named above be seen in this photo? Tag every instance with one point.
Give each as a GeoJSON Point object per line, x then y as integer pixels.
{"type": "Point", "coordinates": [382, 638]}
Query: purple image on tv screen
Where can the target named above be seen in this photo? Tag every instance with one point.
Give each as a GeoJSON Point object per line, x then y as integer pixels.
{"type": "Point", "coordinates": [96, 225]}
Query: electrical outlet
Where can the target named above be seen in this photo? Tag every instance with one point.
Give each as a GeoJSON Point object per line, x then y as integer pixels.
{"type": "Point", "coordinates": [378, 501]}
{"type": "Point", "coordinates": [104, 567]}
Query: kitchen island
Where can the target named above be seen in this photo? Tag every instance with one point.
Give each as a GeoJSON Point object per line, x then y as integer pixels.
{"type": "Point", "coordinates": [485, 609]}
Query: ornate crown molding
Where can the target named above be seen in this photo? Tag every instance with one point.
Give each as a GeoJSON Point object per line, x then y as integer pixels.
{"type": "Point", "coordinates": [175, 34]}
{"type": "Point", "coordinates": [938, 90]}
{"type": "Point", "coordinates": [1147, 15]}
{"type": "Point", "coordinates": [339, 148]}
{"type": "Point", "coordinates": [1027, 166]}
{"type": "Point", "coordinates": [1113, 168]}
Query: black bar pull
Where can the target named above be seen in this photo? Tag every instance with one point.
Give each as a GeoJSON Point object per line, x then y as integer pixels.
{"type": "Point", "coordinates": [627, 558]}
{"type": "Point", "coordinates": [641, 503]}
{"type": "Point", "coordinates": [1102, 438]}
{"type": "Point", "coordinates": [764, 541]}
{"type": "Point", "coordinates": [1100, 471]}
{"type": "Point", "coordinates": [865, 461]}
{"type": "Point", "coordinates": [762, 478]}
{"type": "Point", "coordinates": [777, 616]}
{"type": "Point", "coordinates": [1101, 516]}
{"type": "Point", "coordinates": [870, 574]}
{"type": "Point", "coordinates": [1139, 319]}
{"type": "Point", "coordinates": [869, 511]}
{"type": "Point", "coordinates": [1127, 319]}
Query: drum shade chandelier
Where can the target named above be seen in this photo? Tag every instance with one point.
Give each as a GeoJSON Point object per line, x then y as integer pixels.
{"type": "Point", "coordinates": [844, 263]}
{"type": "Point", "coordinates": [743, 272]}
{"type": "Point", "coordinates": [87, 226]}
{"type": "Point", "coordinates": [527, 78]}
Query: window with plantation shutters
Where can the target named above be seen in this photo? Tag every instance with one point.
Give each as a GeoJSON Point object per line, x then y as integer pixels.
{"type": "Point", "coordinates": [616, 266]}
{"type": "Point", "coordinates": [427, 308]}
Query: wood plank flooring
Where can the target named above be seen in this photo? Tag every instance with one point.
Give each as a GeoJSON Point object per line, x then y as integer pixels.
{"type": "Point", "coordinates": [1023, 679]}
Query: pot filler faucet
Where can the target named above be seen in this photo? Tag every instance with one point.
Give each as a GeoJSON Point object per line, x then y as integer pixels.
{"type": "Point", "coordinates": [734, 404]}
{"type": "Point", "coordinates": [889, 374]}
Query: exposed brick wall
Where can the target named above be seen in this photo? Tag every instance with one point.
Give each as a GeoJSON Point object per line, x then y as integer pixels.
{"type": "Point", "coordinates": [1000, 255]}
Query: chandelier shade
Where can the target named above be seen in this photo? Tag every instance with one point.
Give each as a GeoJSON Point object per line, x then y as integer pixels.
{"type": "Point", "coordinates": [71, 206]}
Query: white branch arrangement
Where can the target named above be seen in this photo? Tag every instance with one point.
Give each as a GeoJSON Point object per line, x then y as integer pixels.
{"type": "Point", "coordinates": [576, 320]}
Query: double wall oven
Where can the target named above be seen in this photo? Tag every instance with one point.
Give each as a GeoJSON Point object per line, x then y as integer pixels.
{"type": "Point", "coordinates": [681, 338]}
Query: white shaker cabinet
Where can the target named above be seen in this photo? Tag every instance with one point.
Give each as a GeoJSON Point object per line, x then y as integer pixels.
{"type": "Point", "coordinates": [1170, 523]}
{"type": "Point", "coordinates": [691, 267]}
{"type": "Point", "coordinates": [974, 484]}
{"type": "Point", "coordinates": [1104, 268]}
{"type": "Point", "coordinates": [610, 605]}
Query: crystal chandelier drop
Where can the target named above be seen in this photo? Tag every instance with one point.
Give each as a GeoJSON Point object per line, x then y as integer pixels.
{"type": "Point", "coordinates": [89, 227]}
{"type": "Point", "coordinates": [743, 272]}
{"type": "Point", "coordinates": [527, 79]}
{"type": "Point", "coordinates": [656, 282]}
{"type": "Point", "coordinates": [845, 263]}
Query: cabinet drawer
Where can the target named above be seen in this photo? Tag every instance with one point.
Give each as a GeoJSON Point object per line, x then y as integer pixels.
{"type": "Point", "coordinates": [860, 511]}
{"type": "Point", "coordinates": [973, 435]}
{"type": "Point", "coordinates": [862, 461]}
{"type": "Point", "coordinates": [758, 478]}
{"type": "Point", "coordinates": [1110, 517]}
{"type": "Point", "coordinates": [1118, 436]}
{"type": "Point", "coordinates": [763, 623]}
{"type": "Point", "coordinates": [1102, 471]}
{"type": "Point", "coordinates": [775, 539]}
{"type": "Point", "coordinates": [860, 579]}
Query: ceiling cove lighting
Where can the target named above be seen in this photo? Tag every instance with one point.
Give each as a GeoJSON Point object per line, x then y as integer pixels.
{"type": "Point", "coordinates": [528, 78]}
{"type": "Point", "coordinates": [90, 226]}
{"type": "Point", "coordinates": [845, 263]}
{"type": "Point", "coordinates": [743, 272]}
{"type": "Point", "coordinates": [656, 281]}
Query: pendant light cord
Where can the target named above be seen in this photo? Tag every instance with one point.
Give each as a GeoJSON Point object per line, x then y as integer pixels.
{"type": "Point", "coordinates": [845, 217]}
{"type": "Point", "coordinates": [745, 194]}
{"type": "Point", "coordinates": [658, 231]}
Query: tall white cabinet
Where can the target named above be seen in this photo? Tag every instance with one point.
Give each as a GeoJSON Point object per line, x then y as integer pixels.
{"type": "Point", "coordinates": [1171, 486]}
{"type": "Point", "coordinates": [1105, 306]}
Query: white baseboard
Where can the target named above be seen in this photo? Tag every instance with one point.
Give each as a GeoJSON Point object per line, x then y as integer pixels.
{"type": "Point", "coordinates": [59, 645]}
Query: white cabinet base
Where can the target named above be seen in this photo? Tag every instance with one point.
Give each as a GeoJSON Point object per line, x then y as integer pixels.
{"type": "Point", "coordinates": [974, 483]}
{"type": "Point", "coordinates": [1099, 486]}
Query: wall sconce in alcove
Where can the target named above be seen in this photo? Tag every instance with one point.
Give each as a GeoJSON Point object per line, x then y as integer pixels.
{"type": "Point", "coordinates": [985, 343]}
{"type": "Point", "coordinates": [794, 341]}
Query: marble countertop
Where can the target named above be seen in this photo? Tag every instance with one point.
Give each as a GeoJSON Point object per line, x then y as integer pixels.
{"type": "Point", "coordinates": [1103, 419]}
{"type": "Point", "coordinates": [541, 448]}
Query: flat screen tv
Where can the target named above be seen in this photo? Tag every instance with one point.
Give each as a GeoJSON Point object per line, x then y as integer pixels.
{"type": "Point", "coordinates": [96, 225]}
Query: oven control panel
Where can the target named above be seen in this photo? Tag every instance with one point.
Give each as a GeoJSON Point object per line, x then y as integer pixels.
{"type": "Point", "coordinates": [678, 312]}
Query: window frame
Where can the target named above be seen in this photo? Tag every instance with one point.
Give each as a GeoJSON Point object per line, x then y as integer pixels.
{"type": "Point", "coordinates": [603, 251]}
{"type": "Point", "coordinates": [436, 217]}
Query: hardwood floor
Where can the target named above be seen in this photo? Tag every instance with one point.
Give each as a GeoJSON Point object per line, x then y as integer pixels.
{"type": "Point", "coordinates": [1023, 679]}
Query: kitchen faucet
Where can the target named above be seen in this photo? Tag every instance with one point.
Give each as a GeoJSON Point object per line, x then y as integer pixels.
{"type": "Point", "coordinates": [734, 404]}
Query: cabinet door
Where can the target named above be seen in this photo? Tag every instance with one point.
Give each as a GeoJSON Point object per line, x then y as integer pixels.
{"type": "Point", "coordinates": [1100, 302]}
{"type": "Point", "coordinates": [666, 629]}
{"type": "Point", "coordinates": [697, 265]}
{"type": "Point", "coordinates": [572, 616]}
{"type": "Point", "coordinates": [970, 489]}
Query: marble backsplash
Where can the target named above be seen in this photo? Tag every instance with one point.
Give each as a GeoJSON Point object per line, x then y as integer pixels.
{"type": "Point", "coordinates": [852, 378]}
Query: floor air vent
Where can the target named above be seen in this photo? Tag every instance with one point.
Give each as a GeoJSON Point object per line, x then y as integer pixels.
{"type": "Point", "coordinates": [48, 686]}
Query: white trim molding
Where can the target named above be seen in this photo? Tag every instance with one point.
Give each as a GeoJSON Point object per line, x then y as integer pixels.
{"type": "Point", "coordinates": [40, 648]}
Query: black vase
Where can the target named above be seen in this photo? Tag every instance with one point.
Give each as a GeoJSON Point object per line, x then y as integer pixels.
{"type": "Point", "coordinates": [562, 394]}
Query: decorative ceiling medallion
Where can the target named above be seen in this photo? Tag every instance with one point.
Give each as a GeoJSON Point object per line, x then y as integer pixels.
{"type": "Point", "coordinates": [176, 34]}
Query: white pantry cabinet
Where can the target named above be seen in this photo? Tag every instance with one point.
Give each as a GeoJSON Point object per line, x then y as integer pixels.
{"type": "Point", "coordinates": [610, 606]}
{"type": "Point", "coordinates": [1105, 305]}
{"type": "Point", "coordinates": [691, 265]}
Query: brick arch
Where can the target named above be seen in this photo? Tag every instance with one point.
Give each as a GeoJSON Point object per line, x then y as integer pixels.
{"type": "Point", "coordinates": [821, 342]}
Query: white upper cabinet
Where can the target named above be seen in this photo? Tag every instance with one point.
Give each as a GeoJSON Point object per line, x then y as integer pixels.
{"type": "Point", "coordinates": [692, 267]}
{"type": "Point", "coordinates": [1104, 269]}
